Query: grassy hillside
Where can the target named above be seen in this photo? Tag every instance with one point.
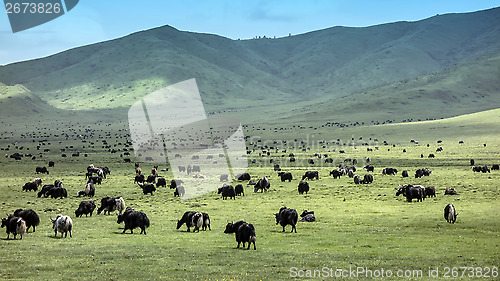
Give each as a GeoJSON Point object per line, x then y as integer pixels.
{"type": "Point", "coordinates": [456, 90]}
{"type": "Point", "coordinates": [292, 72]}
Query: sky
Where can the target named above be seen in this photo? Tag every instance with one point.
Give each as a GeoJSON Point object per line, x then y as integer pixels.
{"type": "Point", "coordinates": [94, 21]}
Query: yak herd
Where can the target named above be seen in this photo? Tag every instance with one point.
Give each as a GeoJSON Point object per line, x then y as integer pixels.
{"type": "Point", "coordinates": [21, 220]}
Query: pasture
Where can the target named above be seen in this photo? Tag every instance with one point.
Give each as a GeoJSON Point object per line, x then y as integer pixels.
{"type": "Point", "coordinates": [363, 225]}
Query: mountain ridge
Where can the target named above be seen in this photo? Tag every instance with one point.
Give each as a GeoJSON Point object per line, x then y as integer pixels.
{"type": "Point", "coordinates": [239, 74]}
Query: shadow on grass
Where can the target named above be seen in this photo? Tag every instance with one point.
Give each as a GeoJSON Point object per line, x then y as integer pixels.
{"type": "Point", "coordinates": [58, 237]}
{"type": "Point", "coordinates": [10, 239]}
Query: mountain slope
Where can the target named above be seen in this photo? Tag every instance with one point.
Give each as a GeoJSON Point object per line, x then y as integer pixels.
{"type": "Point", "coordinates": [295, 71]}
{"type": "Point", "coordinates": [456, 90]}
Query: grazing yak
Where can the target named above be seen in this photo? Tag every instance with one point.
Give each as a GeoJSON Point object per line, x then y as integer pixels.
{"type": "Point", "coordinates": [42, 170]}
{"type": "Point", "coordinates": [422, 172]}
{"type": "Point", "coordinates": [243, 177]}
{"type": "Point", "coordinates": [147, 188]}
{"type": "Point", "coordinates": [95, 180]}
{"type": "Point", "coordinates": [133, 219]}
{"type": "Point", "coordinates": [389, 171]}
{"type": "Point", "coordinates": [111, 204]}
{"type": "Point", "coordinates": [238, 189]}
{"type": "Point", "coordinates": [311, 175]}
{"type": "Point", "coordinates": [187, 218]}
{"type": "Point", "coordinates": [139, 179]}
{"type": "Point", "coordinates": [285, 176]}
{"type": "Point", "coordinates": [476, 169]}
{"type": "Point", "coordinates": [88, 191]}
{"type": "Point", "coordinates": [303, 187]}
{"type": "Point", "coordinates": [85, 208]}
{"type": "Point", "coordinates": [368, 178]}
{"type": "Point", "coordinates": [29, 216]}
{"type": "Point", "coordinates": [14, 225]}
{"type": "Point", "coordinates": [307, 216]}
{"type": "Point", "coordinates": [179, 191]}
{"type": "Point", "coordinates": [224, 177]}
{"type": "Point", "coordinates": [263, 184]}
{"type": "Point", "coordinates": [63, 225]}
{"type": "Point", "coordinates": [404, 174]}
{"type": "Point", "coordinates": [161, 182]}
{"type": "Point", "coordinates": [350, 174]}
{"type": "Point", "coordinates": [369, 168]}
{"type": "Point", "coordinates": [357, 179]}
{"type": "Point", "coordinates": [227, 191]}
{"type": "Point", "coordinates": [196, 169]}
{"type": "Point", "coordinates": [45, 189]}
{"type": "Point", "coordinates": [485, 169]}
{"type": "Point", "coordinates": [335, 174]}
{"type": "Point", "coordinates": [430, 191]}
{"type": "Point", "coordinates": [410, 192]}
{"type": "Point", "coordinates": [57, 192]}
{"type": "Point", "coordinates": [244, 232]}
{"type": "Point", "coordinates": [32, 185]}
{"type": "Point", "coordinates": [58, 183]}
{"type": "Point", "coordinates": [495, 167]}
{"type": "Point", "coordinates": [174, 183]}
{"type": "Point", "coordinates": [450, 214]}
{"type": "Point", "coordinates": [286, 217]}
{"type": "Point", "coordinates": [151, 179]}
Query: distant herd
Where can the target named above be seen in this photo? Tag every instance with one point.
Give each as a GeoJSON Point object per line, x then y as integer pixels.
{"type": "Point", "coordinates": [21, 220]}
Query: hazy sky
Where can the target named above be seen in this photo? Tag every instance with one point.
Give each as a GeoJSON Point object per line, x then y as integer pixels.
{"type": "Point", "coordinates": [99, 20]}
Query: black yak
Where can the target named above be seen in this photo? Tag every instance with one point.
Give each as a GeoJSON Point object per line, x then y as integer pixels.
{"type": "Point", "coordinates": [85, 208]}
{"type": "Point", "coordinates": [186, 219]}
{"type": "Point", "coordinates": [29, 216]}
{"type": "Point", "coordinates": [133, 219]}
{"type": "Point", "coordinates": [286, 217]}
{"type": "Point", "coordinates": [244, 232]}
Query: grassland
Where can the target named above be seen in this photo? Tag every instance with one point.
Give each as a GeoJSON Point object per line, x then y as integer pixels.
{"type": "Point", "coordinates": [357, 225]}
{"type": "Point", "coordinates": [379, 88]}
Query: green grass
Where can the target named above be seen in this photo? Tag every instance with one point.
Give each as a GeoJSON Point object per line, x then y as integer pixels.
{"type": "Point", "coordinates": [357, 225]}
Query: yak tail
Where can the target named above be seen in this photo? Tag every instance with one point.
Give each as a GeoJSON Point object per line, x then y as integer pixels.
{"type": "Point", "coordinates": [146, 220]}
{"type": "Point", "coordinates": [21, 227]}
{"type": "Point", "coordinates": [121, 205]}
{"type": "Point", "coordinates": [36, 219]}
{"type": "Point", "coordinates": [252, 239]}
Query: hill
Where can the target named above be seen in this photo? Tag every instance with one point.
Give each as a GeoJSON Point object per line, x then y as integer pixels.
{"type": "Point", "coordinates": [335, 67]}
